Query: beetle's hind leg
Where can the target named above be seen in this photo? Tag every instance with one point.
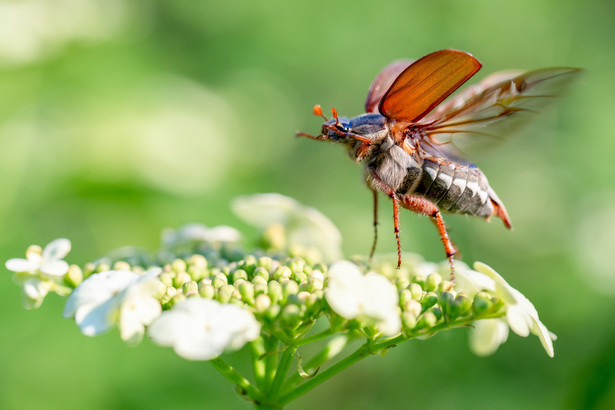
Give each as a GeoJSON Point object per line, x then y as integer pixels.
{"type": "Point", "coordinates": [424, 206]}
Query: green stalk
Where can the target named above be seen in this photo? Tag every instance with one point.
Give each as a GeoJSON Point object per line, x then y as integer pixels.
{"type": "Point", "coordinates": [257, 350]}
{"type": "Point", "coordinates": [361, 353]}
{"type": "Point", "coordinates": [245, 387]}
{"type": "Point", "coordinates": [271, 361]}
{"type": "Point", "coordinates": [282, 371]}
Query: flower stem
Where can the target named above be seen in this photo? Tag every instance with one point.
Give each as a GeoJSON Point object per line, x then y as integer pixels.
{"type": "Point", "coordinates": [257, 349]}
{"type": "Point", "coordinates": [282, 370]}
{"type": "Point", "coordinates": [245, 387]}
{"type": "Point", "coordinates": [358, 354]}
{"type": "Point", "coordinates": [271, 361]}
{"type": "Point", "coordinates": [318, 336]}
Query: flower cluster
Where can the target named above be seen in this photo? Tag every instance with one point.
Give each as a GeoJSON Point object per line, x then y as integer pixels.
{"type": "Point", "coordinates": [202, 295]}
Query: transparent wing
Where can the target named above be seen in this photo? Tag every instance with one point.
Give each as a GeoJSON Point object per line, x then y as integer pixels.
{"type": "Point", "coordinates": [481, 115]}
{"type": "Point", "coordinates": [383, 82]}
{"type": "Point", "coordinates": [426, 83]}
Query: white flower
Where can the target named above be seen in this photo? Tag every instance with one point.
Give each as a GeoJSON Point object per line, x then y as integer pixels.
{"type": "Point", "coordinates": [202, 329]}
{"type": "Point", "coordinates": [372, 296]}
{"type": "Point", "coordinates": [521, 315]}
{"type": "Point", "coordinates": [48, 262]}
{"type": "Point", "coordinates": [193, 233]}
{"type": "Point", "coordinates": [304, 226]}
{"type": "Point", "coordinates": [116, 296]}
{"type": "Point", "coordinates": [42, 271]}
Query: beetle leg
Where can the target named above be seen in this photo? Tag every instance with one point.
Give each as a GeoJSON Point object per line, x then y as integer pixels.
{"type": "Point", "coordinates": [371, 253]}
{"type": "Point", "coordinates": [375, 183]}
{"type": "Point", "coordinates": [423, 206]}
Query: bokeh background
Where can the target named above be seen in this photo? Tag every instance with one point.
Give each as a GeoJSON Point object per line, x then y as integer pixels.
{"type": "Point", "coordinates": [119, 118]}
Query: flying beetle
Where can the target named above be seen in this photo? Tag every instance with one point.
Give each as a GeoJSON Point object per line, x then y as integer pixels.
{"type": "Point", "coordinates": [410, 141]}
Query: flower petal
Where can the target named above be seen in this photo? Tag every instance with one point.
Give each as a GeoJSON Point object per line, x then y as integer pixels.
{"type": "Point", "coordinates": [54, 268]}
{"type": "Point", "coordinates": [21, 265]}
{"type": "Point", "coordinates": [345, 290]}
{"type": "Point", "coordinates": [487, 335]}
{"type": "Point", "coordinates": [56, 249]}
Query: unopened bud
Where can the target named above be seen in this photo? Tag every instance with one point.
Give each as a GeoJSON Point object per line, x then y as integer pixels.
{"type": "Point", "coordinates": [74, 276]}
{"type": "Point", "coordinates": [282, 272]}
{"type": "Point", "coordinates": [262, 303]}
{"type": "Point", "coordinates": [246, 290]}
{"type": "Point", "coordinates": [190, 288]}
{"type": "Point", "coordinates": [316, 280]}
{"type": "Point", "coordinates": [432, 281]}
{"type": "Point", "coordinates": [417, 291]}
{"type": "Point", "coordinates": [166, 278]}
{"type": "Point", "coordinates": [178, 265]}
{"type": "Point", "coordinates": [408, 320]}
{"type": "Point", "coordinates": [290, 288]}
{"type": "Point", "coordinates": [429, 300]}
{"type": "Point", "coordinates": [181, 278]}
{"type": "Point", "coordinates": [224, 293]}
{"type": "Point", "coordinates": [219, 280]}
{"type": "Point", "coordinates": [261, 272]}
{"type": "Point", "coordinates": [206, 289]}
{"type": "Point", "coordinates": [240, 274]}
{"type": "Point", "coordinates": [482, 303]}
{"type": "Point", "coordinates": [121, 265]}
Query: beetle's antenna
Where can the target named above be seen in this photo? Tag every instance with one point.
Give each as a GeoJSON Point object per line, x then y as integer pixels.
{"type": "Point", "coordinates": [317, 110]}
{"type": "Point", "coordinates": [334, 111]}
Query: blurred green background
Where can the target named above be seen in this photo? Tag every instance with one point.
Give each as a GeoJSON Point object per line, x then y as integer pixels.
{"type": "Point", "coordinates": [119, 118]}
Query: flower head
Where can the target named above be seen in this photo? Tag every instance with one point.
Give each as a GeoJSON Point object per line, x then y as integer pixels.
{"type": "Point", "coordinates": [372, 296]}
{"type": "Point", "coordinates": [202, 329]}
{"type": "Point", "coordinates": [42, 271]}
{"type": "Point", "coordinates": [191, 234]}
{"type": "Point", "coordinates": [116, 296]}
{"type": "Point", "coordinates": [302, 225]}
{"type": "Point", "coordinates": [47, 261]}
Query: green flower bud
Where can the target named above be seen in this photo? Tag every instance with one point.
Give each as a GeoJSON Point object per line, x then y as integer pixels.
{"type": "Point", "coordinates": [169, 294]}
{"type": "Point", "coordinates": [282, 272]}
{"type": "Point", "coordinates": [181, 278]}
{"type": "Point", "coordinates": [240, 274]}
{"type": "Point", "coordinates": [88, 269]}
{"type": "Point", "coordinates": [275, 291]}
{"type": "Point", "coordinates": [166, 278]}
{"type": "Point", "coordinates": [190, 288]}
{"type": "Point", "coordinates": [260, 288]}
{"type": "Point", "coordinates": [102, 267]}
{"type": "Point", "coordinates": [296, 265]}
{"type": "Point", "coordinates": [404, 297]}
{"type": "Point", "coordinates": [316, 280]}
{"type": "Point", "coordinates": [290, 288]}
{"type": "Point", "coordinates": [482, 303]}
{"type": "Point", "coordinates": [74, 276]}
{"type": "Point", "coordinates": [261, 272]}
{"type": "Point", "coordinates": [197, 262]}
{"type": "Point", "coordinates": [206, 289]}
{"type": "Point", "coordinates": [321, 267]}
{"type": "Point", "coordinates": [417, 291]}
{"type": "Point", "coordinates": [461, 306]}
{"type": "Point", "coordinates": [246, 289]}
{"type": "Point", "coordinates": [262, 303]}
{"type": "Point", "coordinates": [413, 307]}
{"type": "Point", "coordinates": [299, 277]}
{"type": "Point", "coordinates": [264, 262]}
{"type": "Point", "coordinates": [273, 312]}
{"type": "Point", "coordinates": [224, 293]}
{"type": "Point", "coordinates": [408, 320]}
{"type": "Point", "coordinates": [427, 320]}
{"type": "Point", "coordinates": [432, 281]}
{"type": "Point", "coordinates": [121, 265]}
{"type": "Point", "coordinates": [178, 265]}
{"type": "Point", "coordinates": [259, 280]}
{"type": "Point", "coordinates": [446, 302]}
{"type": "Point", "coordinates": [429, 300]}
{"type": "Point", "coordinates": [219, 280]}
